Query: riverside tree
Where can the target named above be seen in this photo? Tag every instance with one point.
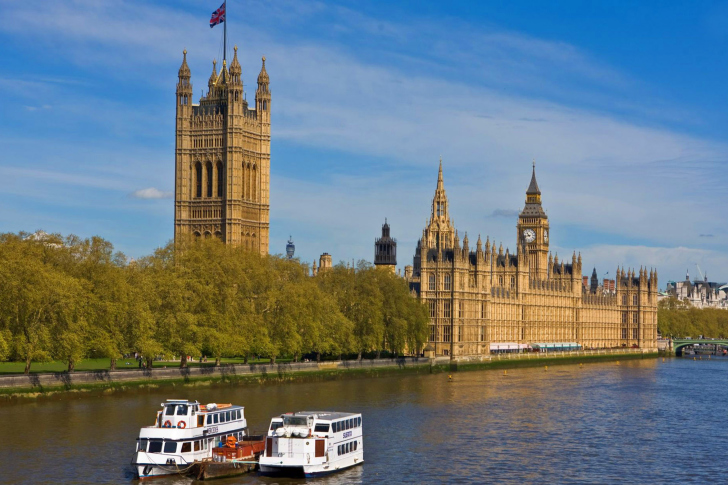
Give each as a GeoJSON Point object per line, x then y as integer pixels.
{"type": "Point", "coordinates": [70, 298]}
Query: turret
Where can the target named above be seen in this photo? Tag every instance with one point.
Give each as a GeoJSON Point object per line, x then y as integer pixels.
{"type": "Point", "coordinates": [594, 282]}
{"type": "Point", "coordinates": [235, 84]}
{"type": "Point", "coordinates": [184, 86]}
{"type": "Point", "coordinates": [263, 95]}
{"type": "Point", "coordinates": [213, 80]}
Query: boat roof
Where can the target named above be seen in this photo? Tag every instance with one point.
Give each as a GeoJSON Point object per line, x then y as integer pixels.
{"type": "Point", "coordinates": [203, 407]}
{"type": "Point", "coordinates": [325, 415]}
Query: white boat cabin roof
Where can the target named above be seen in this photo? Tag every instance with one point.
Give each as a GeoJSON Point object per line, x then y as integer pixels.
{"type": "Point", "coordinates": [320, 415]}
{"type": "Point", "coordinates": [202, 408]}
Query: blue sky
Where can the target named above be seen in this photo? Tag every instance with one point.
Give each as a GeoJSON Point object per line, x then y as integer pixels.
{"type": "Point", "coordinates": [622, 105]}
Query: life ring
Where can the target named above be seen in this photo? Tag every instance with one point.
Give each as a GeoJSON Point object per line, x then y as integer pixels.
{"type": "Point", "coordinates": [181, 425]}
{"type": "Point", "coordinates": [167, 424]}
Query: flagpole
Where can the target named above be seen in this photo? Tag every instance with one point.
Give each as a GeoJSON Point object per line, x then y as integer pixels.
{"type": "Point", "coordinates": [224, 42]}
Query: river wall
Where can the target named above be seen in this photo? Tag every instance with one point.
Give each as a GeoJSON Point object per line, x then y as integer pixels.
{"type": "Point", "coordinates": [234, 372]}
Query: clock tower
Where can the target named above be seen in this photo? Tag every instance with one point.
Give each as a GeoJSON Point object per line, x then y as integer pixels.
{"type": "Point", "coordinates": [533, 230]}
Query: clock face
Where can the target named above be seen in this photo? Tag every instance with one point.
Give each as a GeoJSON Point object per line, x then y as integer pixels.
{"type": "Point", "coordinates": [529, 235]}
{"type": "Point", "coordinates": [546, 235]}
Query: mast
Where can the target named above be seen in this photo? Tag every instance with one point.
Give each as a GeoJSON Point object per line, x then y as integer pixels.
{"type": "Point", "coordinates": [224, 42]}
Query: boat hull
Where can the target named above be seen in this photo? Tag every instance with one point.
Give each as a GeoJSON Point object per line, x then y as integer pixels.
{"type": "Point", "coordinates": [308, 471]}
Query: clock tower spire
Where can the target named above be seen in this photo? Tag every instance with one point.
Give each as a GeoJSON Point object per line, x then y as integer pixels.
{"type": "Point", "coordinates": [533, 228]}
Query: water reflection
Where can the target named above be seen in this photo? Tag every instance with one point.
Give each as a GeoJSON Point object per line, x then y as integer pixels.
{"type": "Point", "coordinates": [600, 423]}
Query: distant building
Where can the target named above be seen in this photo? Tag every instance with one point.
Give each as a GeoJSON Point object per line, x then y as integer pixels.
{"type": "Point", "coordinates": [290, 248]}
{"type": "Point", "coordinates": [325, 264]}
{"type": "Point", "coordinates": [700, 294]}
{"type": "Point", "coordinates": [385, 249]}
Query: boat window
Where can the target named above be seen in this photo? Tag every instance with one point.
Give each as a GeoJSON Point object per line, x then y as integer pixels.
{"type": "Point", "coordinates": [295, 421]}
{"type": "Point", "coordinates": [321, 428]}
{"type": "Point", "coordinates": [356, 445]}
{"type": "Point", "coordinates": [338, 450]}
{"type": "Point", "coordinates": [359, 421]}
{"type": "Point", "coordinates": [200, 420]}
{"type": "Point", "coordinates": [217, 416]}
{"type": "Point", "coordinates": [142, 445]}
{"type": "Point", "coordinates": [155, 446]}
{"type": "Point", "coordinates": [187, 447]}
{"type": "Point", "coordinates": [348, 447]}
{"type": "Point", "coordinates": [274, 425]}
{"type": "Point", "coordinates": [239, 414]}
{"type": "Point", "coordinates": [182, 410]}
{"type": "Point", "coordinates": [227, 416]}
{"type": "Point", "coordinates": [346, 424]}
{"type": "Point", "coordinates": [170, 447]}
{"type": "Point", "coordinates": [337, 428]}
{"type": "Point", "coordinates": [169, 411]}
{"type": "Point", "coordinates": [197, 446]}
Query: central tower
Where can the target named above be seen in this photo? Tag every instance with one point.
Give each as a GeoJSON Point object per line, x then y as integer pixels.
{"type": "Point", "coordinates": [222, 159]}
{"type": "Point", "coordinates": [533, 230]}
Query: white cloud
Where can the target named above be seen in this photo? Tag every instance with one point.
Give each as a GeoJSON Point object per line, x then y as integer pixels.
{"type": "Point", "coordinates": [151, 193]}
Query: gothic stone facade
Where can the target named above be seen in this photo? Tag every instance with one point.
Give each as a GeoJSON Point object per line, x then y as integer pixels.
{"type": "Point", "coordinates": [487, 296]}
{"type": "Point", "coordinates": [222, 154]}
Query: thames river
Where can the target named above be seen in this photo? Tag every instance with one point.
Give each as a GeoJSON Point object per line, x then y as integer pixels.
{"type": "Point", "coordinates": [644, 421]}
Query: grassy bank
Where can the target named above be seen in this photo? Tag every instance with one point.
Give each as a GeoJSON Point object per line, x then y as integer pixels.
{"type": "Point", "coordinates": [101, 388]}
{"type": "Point", "coordinates": [121, 364]}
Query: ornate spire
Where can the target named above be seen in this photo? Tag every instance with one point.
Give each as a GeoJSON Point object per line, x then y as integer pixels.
{"type": "Point", "coordinates": [213, 77]}
{"type": "Point", "coordinates": [184, 69]}
{"type": "Point", "coordinates": [235, 64]}
{"type": "Point", "coordinates": [440, 183]}
{"type": "Point", "coordinates": [533, 186]}
{"type": "Point", "coordinates": [263, 76]}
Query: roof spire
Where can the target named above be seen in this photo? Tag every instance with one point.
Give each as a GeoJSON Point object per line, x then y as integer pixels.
{"type": "Point", "coordinates": [533, 186]}
{"type": "Point", "coordinates": [440, 183]}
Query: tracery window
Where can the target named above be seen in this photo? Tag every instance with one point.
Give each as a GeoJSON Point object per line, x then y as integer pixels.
{"type": "Point", "coordinates": [446, 313]}
{"type": "Point", "coordinates": [220, 179]}
{"type": "Point", "coordinates": [432, 282]}
{"type": "Point", "coordinates": [448, 282]}
{"type": "Point", "coordinates": [198, 179]}
{"type": "Point", "coordinates": [433, 308]}
{"type": "Point", "coordinates": [209, 179]}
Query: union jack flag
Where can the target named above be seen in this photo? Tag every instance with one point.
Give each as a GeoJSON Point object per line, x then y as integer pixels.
{"type": "Point", "coordinates": [218, 16]}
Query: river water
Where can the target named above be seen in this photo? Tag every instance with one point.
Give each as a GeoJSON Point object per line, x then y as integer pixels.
{"type": "Point", "coordinates": [644, 421]}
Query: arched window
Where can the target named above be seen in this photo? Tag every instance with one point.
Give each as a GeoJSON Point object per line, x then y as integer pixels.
{"type": "Point", "coordinates": [197, 234]}
{"type": "Point", "coordinates": [253, 183]}
{"type": "Point", "coordinates": [209, 179]}
{"type": "Point", "coordinates": [220, 179]}
{"type": "Point", "coordinates": [265, 105]}
{"type": "Point", "coordinates": [432, 282]}
{"type": "Point", "coordinates": [198, 179]}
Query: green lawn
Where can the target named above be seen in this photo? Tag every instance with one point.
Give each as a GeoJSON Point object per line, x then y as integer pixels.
{"type": "Point", "coordinates": [100, 364]}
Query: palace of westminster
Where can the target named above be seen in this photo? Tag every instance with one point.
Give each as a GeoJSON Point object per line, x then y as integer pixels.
{"type": "Point", "coordinates": [480, 299]}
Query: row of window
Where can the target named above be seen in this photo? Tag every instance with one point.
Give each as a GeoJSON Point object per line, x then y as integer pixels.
{"type": "Point", "coordinates": [447, 282]}
{"type": "Point", "coordinates": [224, 416]}
{"type": "Point", "coordinates": [207, 142]}
{"type": "Point", "coordinates": [208, 185]}
{"type": "Point", "coordinates": [635, 317]}
{"type": "Point", "coordinates": [634, 334]}
{"type": "Point", "coordinates": [347, 447]}
{"type": "Point", "coordinates": [160, 446]}
{"type": "Point", "coordinates": [346, 424]}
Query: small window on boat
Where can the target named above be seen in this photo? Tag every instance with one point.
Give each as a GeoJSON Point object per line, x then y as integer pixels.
{"type": "Point", "coordinates": [170, 447]}
{"type": "Point", "coordinates": [169, 411]}
{"type": "Point", "coordinates": [200, 420]}
{"type": "Point", "coordinates": [217, 417]}
{"type": "Point", "coordinates": [338, 450]}
{"type": "Point", "coordinates": [274, 425]}
{"type": "Point", "coordinates": [227, 416]}
{"type": "Point", "coordinates": [142, 445]}
{"type": "Point", "coordinates": [321, 428]}
{"type": "Point", "coordinates": [155, 446]}
{"type": "Point", "coordinates": [239, 414]}
{"type": "Point", "coordinates": [187, 447]}
{"type": "Point", "coordinates": [182, 410]}
{"type": "Point", "coordinates": [347, 424]}
{"type": "Point", "coordinates": [209, 419]}
{"type": "Point", "coordinates": [197, 446]}
{"type": "Point", "coordinates": [359, 421]}
{"type": "Point", "coordinates": [338, 426]}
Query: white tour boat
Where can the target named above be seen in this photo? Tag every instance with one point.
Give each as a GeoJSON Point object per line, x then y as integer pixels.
{"type": "Point", "coordinates": [183, 433]}
{"type": "Point", "coordinates": [310, 443]}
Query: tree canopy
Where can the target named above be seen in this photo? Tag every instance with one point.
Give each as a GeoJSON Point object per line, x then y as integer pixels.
{"type": "Point", "coordinates": [66, 298]}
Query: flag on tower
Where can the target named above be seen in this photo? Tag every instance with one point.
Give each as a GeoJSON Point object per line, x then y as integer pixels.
{"type": "Point", "coordinates": [218, 16]}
